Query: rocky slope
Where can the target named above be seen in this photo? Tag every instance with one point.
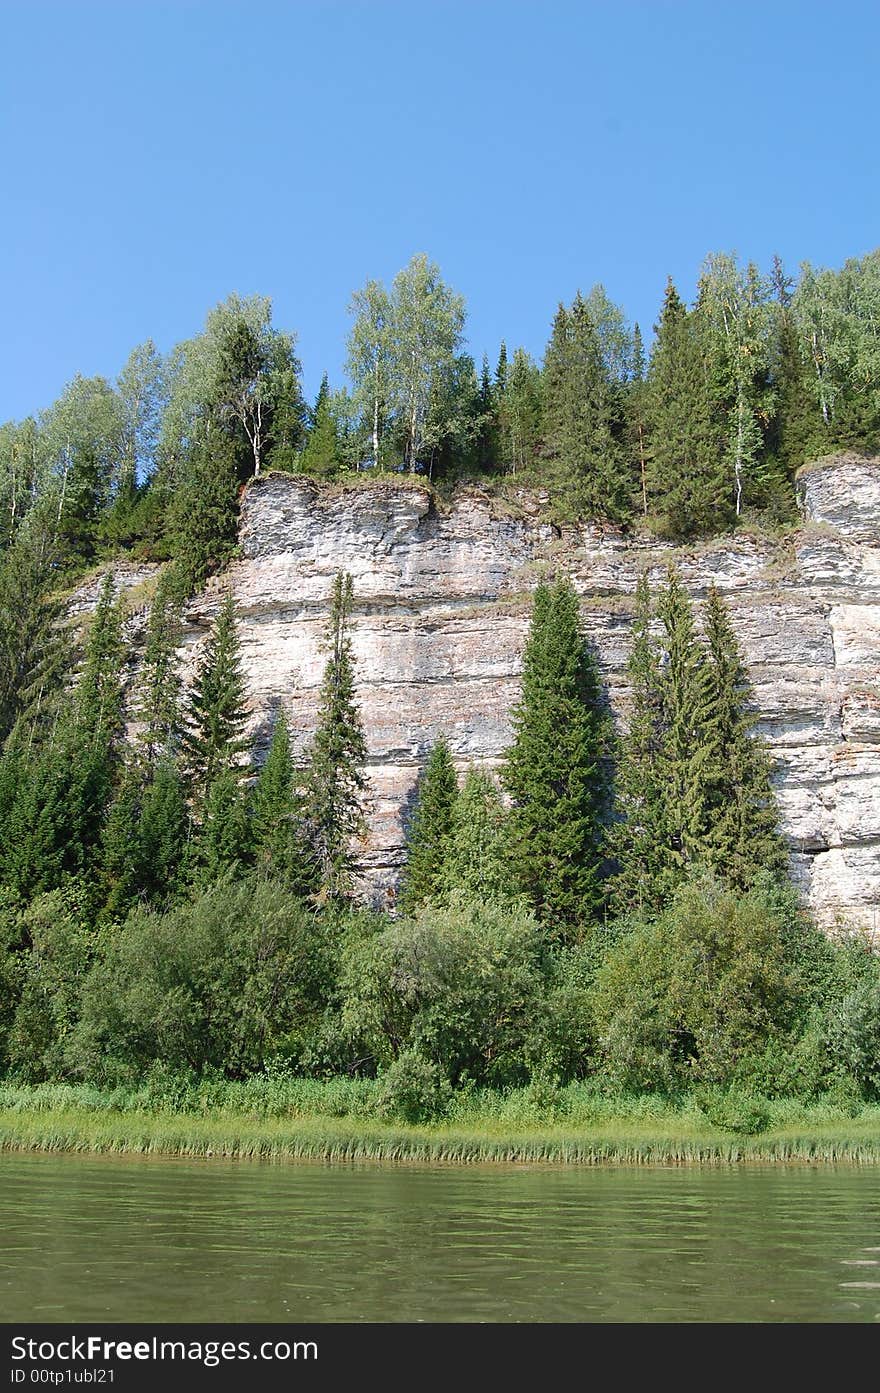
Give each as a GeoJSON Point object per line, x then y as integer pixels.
{"type": "Point", "coordinates": [442, 613]}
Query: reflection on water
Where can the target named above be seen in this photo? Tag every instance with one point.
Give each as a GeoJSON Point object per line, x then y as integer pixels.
{"type": "Point", "coordinates": [175, 1240]}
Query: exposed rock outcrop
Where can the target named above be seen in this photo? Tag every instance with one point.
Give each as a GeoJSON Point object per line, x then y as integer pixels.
{"type": "Point", "coordinates": [442, 611]}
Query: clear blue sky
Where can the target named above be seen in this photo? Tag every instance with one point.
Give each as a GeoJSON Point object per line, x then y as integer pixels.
{"type": "Point", "coordinates": [156, 156]}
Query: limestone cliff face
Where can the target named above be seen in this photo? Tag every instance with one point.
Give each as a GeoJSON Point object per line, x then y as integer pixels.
{"type": "Point", "coordinates": [442, 612]}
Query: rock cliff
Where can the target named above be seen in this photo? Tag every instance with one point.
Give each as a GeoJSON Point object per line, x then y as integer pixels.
{"type": "Point", "coordinates": [442, 611]}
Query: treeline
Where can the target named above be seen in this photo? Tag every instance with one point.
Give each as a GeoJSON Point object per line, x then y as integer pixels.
{"type": "Point", "coordinates": [611, 909]}
{"type": "Point", "coordinates": [760, 374]}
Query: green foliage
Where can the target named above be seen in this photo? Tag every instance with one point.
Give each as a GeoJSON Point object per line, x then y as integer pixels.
{"type": "Point", "coordinates": [216, 711]}
{"type": "Point", "coordinates": [459, 985]}
{"type": "Point", "coordinates": [216, 984]}
{"type": "Point", "coordinates": [554, 771]}
{"type": "Point", "coordinates": [50, 974]}
{"type": "Point", "coordinates": [336, 787]}
{"type": "Point", "coordinates": [475, 864]}
{"type": "Point", "coordinates": [430, 829]}
{"type": "Point", "coordinates": [685, 996]}
{"type": "Point", "coordinates": [685, 472]}
{"type": "Point", "coordinates": [278, 835]}
{"type": "Point", "coordinates": [413, 1089]}
{"type": "Point", "coordinates": [733, 1110]}
{"type": "Point", "coordinates": [582, 415]}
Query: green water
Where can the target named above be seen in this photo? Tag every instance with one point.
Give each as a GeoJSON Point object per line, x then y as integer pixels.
{"type": "Point", "coordinates": [214, 1241]}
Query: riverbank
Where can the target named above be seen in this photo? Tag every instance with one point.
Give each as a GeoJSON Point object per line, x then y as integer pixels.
{"type": "Point", "coordinates": [483, 1128]}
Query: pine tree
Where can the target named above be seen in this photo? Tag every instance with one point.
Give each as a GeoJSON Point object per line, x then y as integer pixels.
{"type": "Point", "coordinates": [429, 831]}
{"type": "Point", "coordinates": [335, 797]}
{"type": "Point", "coordinates": [686, 483]}
{"type": "Point", "coordinates": [216, 715]}
{"type": "Point", "coordinates": [740, 832]}
{"type": "Point", "coordinates": [519, 413]}
{"type": "Point", "coordinates": [581, 416]}
{"type": "Point", "coordinates": [554, 770]}
{"type": "Point", "coordinates": [501, 372]}
{"type": "Point", "coordinates": [475, 866]}
{"type": "Point", "coordinates": [277, 814]}
{"type": "Point", "coordinates": [55, 827]}
{"type": "Point", "coordinates": [487, 416]}
{"type": "Point", "coordinates": [636, 411]}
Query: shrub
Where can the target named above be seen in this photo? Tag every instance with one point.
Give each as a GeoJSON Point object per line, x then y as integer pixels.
{"type": "Point", "coordinates": [413, 1089]}
{"type": "Point", "coordinates": [734, 1110]}
{"type": "Point", "coordinates": [688, 995]}
{"type": "Point", "coordinates": [219, 984]}
{"type": "Point", "coordinates": [459, 984]}
{"type": "Point", "coordinates": [49, 979]}
{"type": "Point", "coordinates": [853, 1039]}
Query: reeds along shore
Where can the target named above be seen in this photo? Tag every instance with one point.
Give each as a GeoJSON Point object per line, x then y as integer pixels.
{"type": "Point", "coordinates": [241, 1121]}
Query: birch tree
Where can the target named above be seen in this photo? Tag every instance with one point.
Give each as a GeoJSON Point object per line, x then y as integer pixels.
{"type": "Point", "coordinates": [369, 361]}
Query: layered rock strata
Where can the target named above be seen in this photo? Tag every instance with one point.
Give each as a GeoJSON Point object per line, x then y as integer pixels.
{"type": "Point", "coordinates": [442, 612]}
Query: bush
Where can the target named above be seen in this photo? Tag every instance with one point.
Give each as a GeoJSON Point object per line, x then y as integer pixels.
{"type": "Point", "coordinates": [49, 979]}
{"type": "Point", "coordinates": [734, 1110]}
{"type": "Point", "coordinates": [413, 1089]}
{"type": "Point", "coordinates": [688, 995]}
{"type": "Point", "coordinates": [220, 984]}
{"type": "Point", "coordinates": [853, 1039]}
{"type": "Point", "coordinates": [459, 984]}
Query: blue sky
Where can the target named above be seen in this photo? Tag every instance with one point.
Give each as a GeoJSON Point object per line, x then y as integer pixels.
{"type": "Point", "coordinates": [157, 156]}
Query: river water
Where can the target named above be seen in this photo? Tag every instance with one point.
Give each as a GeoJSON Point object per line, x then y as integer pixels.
{"type": "Point", "coordinates": [168, 1240]}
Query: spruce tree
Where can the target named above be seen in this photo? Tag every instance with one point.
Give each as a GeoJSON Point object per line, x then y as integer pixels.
{"type": "Point", "coordinates": [277, 815]}
{"type": "Point", "coordinates": [322, 455]}
{"type": "Point", "coordinates": [224, 843]}
{"type": "Point", "coordinates": [685, 754]}
{"type": "Point", "coordinates": [638, 839]}
{"type": "Point", "coordinates": [429, 831]}
{"type": "Point", "coordinates": [55, 827]}
{"type": "Point", "coordinates": [582, 417]}
{"type": "Point", "coordinates": [740, 834]}
{"type": "Point", "coordinates": [159, 711]}
{"type": "Point", "coordinates": [337, 785]}
{"type": "Point", "coordinates": [162, 832]}
{"type": "Point", "coordinates": [475, 866]}
{"type": "Point", "coordinates": [203, 513]}
{"type": "Point", "coordinates": [554, 771]}
{"type": "Point", "coordinates": [685, 477]}
{"type": "Point", "coordinates": [216, 713]}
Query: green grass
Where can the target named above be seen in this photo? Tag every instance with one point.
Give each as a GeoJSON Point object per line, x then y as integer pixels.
{"type": "Point", "coordinates": [306, 1119]}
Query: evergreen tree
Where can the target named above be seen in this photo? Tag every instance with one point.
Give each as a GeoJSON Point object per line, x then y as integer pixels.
{"type": "Point", "coordinates": [475, 866]}
{"type": "Point", "coordinates": [639, 839]}
{"type": "Point", "coordinates": [159, 711]}
{"type": "Point", "coordinates": [554, 770]}
{"type": "Point", "coordinates": [686, 710]}
{"type": "Point", "coordinates": [212, 741]}
{"type": "Point", "coordinates": [740, 832]}
{"type": "Point", "coordinates": [487, 417]}
{"type": "Point", "coordinates": [224, 842]}
{"type": "Point", "coordinates": [637, 422]}
{"type": "Point", "coordinates": [520, 413]}
{"type": "Point", "coordinates": [55, 826]}
{"type": "Point", "coordinates": [501, 372]}
{"type": "Point", "coordinates": [686, 482]}
{"type": "Point", "coordinates": [337, 784]}
{"type": "Point", "coordinates": [203, 514]}
{"type": "Point", "coordinates": [277, 816]}
{"type": "Point", "coordinates": [322, 455]}
{"type": "Point", "coordinates": [162, 832]}
{"type": "Point", "coordinates": [429, 831]}
{"type": "Point", "coordinates": [797, 432]}
{"type": "Point", "coordinates": [582, 416]}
